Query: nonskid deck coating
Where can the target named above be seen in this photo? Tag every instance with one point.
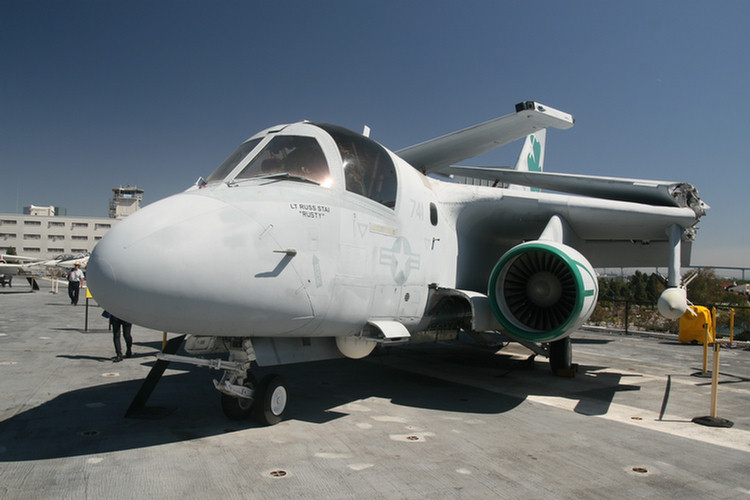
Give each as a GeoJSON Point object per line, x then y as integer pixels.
{"type": "Point", "coordinates": [434, 421]}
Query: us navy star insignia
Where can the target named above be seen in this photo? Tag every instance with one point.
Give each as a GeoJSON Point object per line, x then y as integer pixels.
{"type": "Point", "coordinates": [400, 259]}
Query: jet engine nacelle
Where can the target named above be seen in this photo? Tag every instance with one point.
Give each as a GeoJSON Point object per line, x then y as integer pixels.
{"type": "Point", "coordinates": [541, 291]}
{"type": "Point", "coordinates": [672, 303]}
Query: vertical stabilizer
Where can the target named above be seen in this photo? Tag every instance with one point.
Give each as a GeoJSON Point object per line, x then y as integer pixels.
{"type": "Point", "coordinates": [531, 158]}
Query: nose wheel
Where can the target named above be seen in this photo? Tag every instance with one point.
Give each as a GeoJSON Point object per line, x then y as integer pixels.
{"type": "Point", "coordinates": [271, 403]}
{"type": "Point", "coordinates": [268, 404]}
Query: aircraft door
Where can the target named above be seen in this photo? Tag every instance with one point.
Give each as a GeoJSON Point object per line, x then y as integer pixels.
{"type": "Point", "coordinates": [354, 290]}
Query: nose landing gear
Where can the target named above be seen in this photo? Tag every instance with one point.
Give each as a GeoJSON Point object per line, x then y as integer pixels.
{"type": "Point", "coordinates": [242, 396]}
{"type": "Point", "coordinates": [266, 403]}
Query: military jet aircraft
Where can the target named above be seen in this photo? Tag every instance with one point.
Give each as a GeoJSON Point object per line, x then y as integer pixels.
{"type": "Point", "coordinates": [33, 268]}
{"type": "Point", "coordinates": [21, 263]}
{"type": "Point", "coordinates": [25, 267]}
{"type": "Point", "coordinates": [67, 261]}
{"type": "Point", "coordinates": [324, 244]}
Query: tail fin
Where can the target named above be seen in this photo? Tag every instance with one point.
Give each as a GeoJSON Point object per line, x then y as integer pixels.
{"type": "Point", "coordinates": [531, 158]}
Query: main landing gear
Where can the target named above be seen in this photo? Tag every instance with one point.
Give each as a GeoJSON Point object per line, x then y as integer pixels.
{"type": "Point", "coordinates": [561, 357]}
{"type": "Point", "coordinates": [560, 354]}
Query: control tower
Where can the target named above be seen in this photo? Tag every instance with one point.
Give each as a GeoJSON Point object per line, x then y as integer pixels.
{"type": "Point", "coordinates": [125, 201]}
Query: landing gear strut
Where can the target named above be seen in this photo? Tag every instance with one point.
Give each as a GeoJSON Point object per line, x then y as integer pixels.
{"type": "Point", "coordinates": [239, 408]}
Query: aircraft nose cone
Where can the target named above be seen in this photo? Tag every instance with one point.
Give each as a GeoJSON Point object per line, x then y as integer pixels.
{"type": "Point", "coordinates": [194, 264]}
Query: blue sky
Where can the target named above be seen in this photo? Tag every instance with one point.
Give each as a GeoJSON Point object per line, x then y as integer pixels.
{"type": "Point", "coordinates": [96, 94]}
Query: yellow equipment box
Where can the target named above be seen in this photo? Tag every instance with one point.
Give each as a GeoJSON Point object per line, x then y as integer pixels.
{"type": "Point", "coordinates": [693, 327]}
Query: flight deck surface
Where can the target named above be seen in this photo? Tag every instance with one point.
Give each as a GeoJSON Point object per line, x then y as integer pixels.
{"type": "Point", "coordinates": [431, 421]}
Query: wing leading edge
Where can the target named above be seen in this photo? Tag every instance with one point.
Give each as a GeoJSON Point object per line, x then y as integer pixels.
{"type": "Point", "coordinates": [659, 193]}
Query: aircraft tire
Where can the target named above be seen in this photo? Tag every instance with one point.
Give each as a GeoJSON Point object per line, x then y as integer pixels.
{"type": "Point", "coordinates": [240, 408]}
{"type": "Point", "coordinates": [272, 400]}
{"type": "Point", "coordinates": [560, 355]}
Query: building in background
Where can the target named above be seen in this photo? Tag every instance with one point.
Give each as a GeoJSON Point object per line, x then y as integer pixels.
{"type": "Point", "coordinates": [35, 210]}
{"type": "Point", "coordinates": [125, 201]}
{"type": "Point", "coordinates": [46, 232]}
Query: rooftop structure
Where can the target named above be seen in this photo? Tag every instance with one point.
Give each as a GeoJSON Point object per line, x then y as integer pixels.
{"type": "Point", "coordinates": [125, 201]}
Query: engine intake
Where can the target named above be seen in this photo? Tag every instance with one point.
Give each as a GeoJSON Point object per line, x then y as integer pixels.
{"type": "Point", "coordinates": [542, 290]}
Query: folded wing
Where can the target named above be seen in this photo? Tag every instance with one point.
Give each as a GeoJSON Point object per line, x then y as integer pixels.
{"type": "Point", "coordinates": [429, 156]}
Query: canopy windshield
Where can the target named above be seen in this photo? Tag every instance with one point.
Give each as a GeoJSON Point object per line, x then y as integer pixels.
{"type": "Point", "coordinates": [233, 160]}
{"type": "Point", "coordinates": [296, 156]}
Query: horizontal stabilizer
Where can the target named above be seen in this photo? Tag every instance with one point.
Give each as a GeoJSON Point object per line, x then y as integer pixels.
{"type": "Point", "coordinates": [449, 149]}
{"type": "Point", "coordinates": [660, 193]}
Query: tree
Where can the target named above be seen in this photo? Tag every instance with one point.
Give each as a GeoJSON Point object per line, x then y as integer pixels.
{"type": "Point", "coordinates": [637, 287]}
{"type": "Point", "coordinates": [705, 289]}
{"type": "Point", "coordinates": [611, 289]}
{"type": "Point", "coordinates": [654, 287]}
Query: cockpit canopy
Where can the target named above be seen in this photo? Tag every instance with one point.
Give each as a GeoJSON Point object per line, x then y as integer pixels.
{"type": "Point", "coordinates": [368, 169]}
{"type": "Point", "coordinates": [233, 160]}
{"type": "Point", "coordinates": [295, 155]}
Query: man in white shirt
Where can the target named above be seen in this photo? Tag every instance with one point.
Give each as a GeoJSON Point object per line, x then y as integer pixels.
{"type": "Point", "coordinates": [75, 281]}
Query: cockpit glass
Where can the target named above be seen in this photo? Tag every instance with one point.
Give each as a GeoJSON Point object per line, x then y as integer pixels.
{"type": "Point", "coordinates": [294, 156]}
{"type": "Point", "coordinates": [368, 168]}
{"type": "Point", "coordinates": [234, 159]}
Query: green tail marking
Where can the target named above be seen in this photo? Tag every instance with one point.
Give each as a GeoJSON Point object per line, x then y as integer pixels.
{"type": "Point", "coordinates": [532, 160]}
